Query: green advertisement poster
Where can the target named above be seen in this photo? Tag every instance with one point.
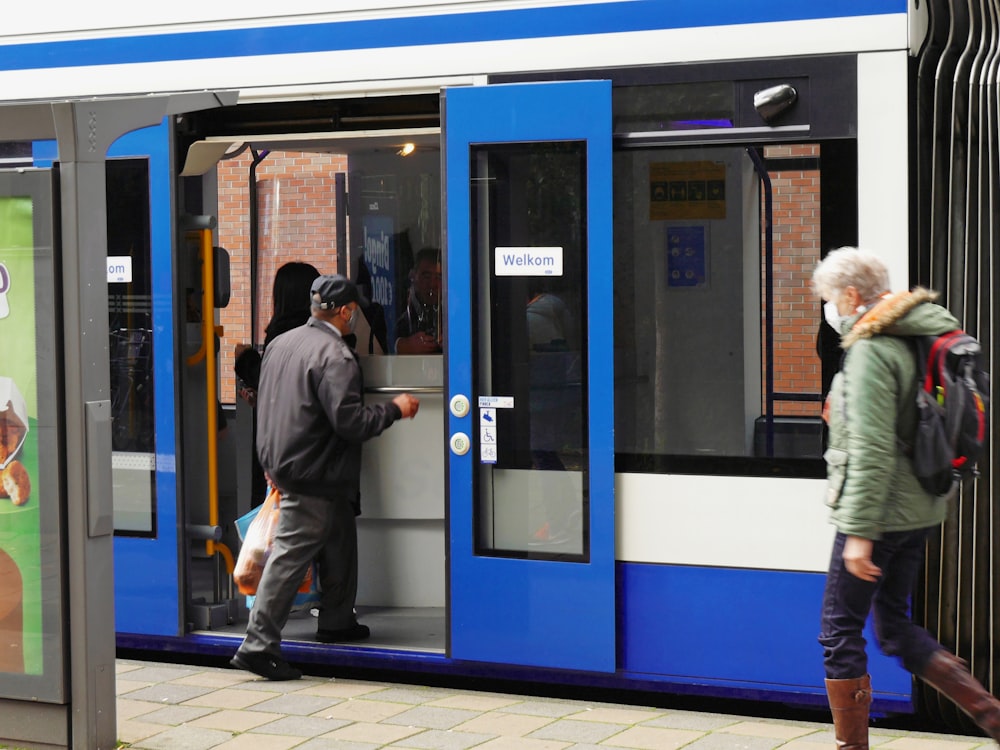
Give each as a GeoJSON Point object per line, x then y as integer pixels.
{"type": "Point", "coordinates": [21, 641]}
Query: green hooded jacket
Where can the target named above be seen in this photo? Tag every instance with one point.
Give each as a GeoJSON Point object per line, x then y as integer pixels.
{"type": "Point", "coordinates": [872, 412]}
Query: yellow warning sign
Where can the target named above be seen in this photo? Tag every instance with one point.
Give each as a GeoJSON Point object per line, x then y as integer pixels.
{"type": "Point", "coordinates": [687, 190]}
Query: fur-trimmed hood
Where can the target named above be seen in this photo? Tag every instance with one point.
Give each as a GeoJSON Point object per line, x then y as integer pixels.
{"type": "Point", "coordinates": [902, 314]}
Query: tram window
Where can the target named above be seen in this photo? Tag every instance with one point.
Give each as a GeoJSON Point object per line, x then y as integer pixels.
{"type": "Point", "coordinates": [393, 213]}
{"type": "Point", "coordinates": [676, 106]}
{"type": "Point", "coordinates": [296, 214]}
{"type": "Point", "coordinates": [531, 345]}
{"type": "Point", "coordinates": [130, 347]}
{"type": "Point", "coordinates": [15, 154]}
{"type": "Point", "coordinates": [693, 300]}
{"type": "Point", "coordinates": [396, 252]}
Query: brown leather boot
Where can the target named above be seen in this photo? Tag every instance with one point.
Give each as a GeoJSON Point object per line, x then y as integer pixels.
{"type": "Point", "coordinates": [849, 702]}
{"type": "Point", "coordinates": [950, 675]}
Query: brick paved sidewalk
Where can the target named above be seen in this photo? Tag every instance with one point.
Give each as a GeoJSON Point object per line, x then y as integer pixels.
{"type": "Point", "coordinates": [176, 707]}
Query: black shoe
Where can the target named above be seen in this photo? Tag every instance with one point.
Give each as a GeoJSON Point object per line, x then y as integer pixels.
{"type": "Point", "coordinates": [267, 666]}
{"type": "Point", "coordinates": [357, 632]}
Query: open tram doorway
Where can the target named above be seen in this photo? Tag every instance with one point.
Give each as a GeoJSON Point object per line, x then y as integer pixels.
{"type": "Point", "coordinates": [365, 204]}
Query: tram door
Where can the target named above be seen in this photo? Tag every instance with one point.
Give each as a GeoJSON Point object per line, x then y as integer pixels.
{"type": "Point", "coordinates": [141, 366]}
{"type": "Point", "coordinates": [529, 374]}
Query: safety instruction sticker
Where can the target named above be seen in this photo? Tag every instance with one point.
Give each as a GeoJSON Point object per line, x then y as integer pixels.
{"type": "Point", "coordinates": [687, 190]}
{"type": "Point", "coordinates": [488, 436]}
{"type": "Point", "coordinates": [496, 402]}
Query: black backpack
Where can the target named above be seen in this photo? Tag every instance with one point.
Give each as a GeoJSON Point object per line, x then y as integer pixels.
{"type": "Point", "coordinates": [952, 401]}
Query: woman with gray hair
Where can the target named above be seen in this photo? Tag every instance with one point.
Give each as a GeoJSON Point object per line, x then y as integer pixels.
{"type": "Point", "coordinates": [882, 513]}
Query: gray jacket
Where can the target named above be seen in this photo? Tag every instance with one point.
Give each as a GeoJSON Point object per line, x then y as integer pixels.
{"type": "Point", "coordinates": [311, 415]}
{"type": "Point", "coordinates": [872, 412]}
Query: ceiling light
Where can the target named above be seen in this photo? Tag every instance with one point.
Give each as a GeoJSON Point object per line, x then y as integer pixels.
{"type": "Point", "coordinates": [407, 149]}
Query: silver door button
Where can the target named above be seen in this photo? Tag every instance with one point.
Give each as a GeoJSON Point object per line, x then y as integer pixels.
{"type": "Point", "coordinates": [460, 443]}
{"type": "Point", "coordinates": [459, 405]}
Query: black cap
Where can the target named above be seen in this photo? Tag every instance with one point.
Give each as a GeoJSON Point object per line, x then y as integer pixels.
{"type": "Point", "coordinates": [331, 292]}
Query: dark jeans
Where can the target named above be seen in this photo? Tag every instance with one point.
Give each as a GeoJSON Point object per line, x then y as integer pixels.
{"type": "Point", "coordinates": [847, 601]}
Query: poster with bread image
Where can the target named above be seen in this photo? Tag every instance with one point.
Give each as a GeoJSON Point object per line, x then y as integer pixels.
{"type": "Point", "coordinates": [14, 481]}
{"type": "Point", "coordinates": [22, 626]}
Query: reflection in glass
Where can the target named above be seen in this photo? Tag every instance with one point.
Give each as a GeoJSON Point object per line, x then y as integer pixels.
{"type": "Point", "coordinates": [395, 255]}
{"type": "Point", "coordinates": [675, 106]}
{"type": "Point", "coordinates": [692, 300]}
{"type": "Point", "coordinates": [529, 221]}
{"type": "Point", "coordinates": [130, 347]}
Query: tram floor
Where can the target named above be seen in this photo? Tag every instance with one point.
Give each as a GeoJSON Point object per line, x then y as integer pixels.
{"type": "Point", "coordinates": [393, 628]}
{"type": "Point", "coordinates": [396, 628]}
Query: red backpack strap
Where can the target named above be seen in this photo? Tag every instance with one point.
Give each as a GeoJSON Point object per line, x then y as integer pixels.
{"type": "Point", "coordinates": [936, 357]}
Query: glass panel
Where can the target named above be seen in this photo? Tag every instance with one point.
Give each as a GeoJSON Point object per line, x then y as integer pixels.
{"type": "Point", "coordinates": [32, 547]}
{"type": "Point", "coordinates": [296, 223]}
{"type": "Point", "coordinates": [794, 176]}
{"type": "Point", "coordinates": [25, 280]}
{"type": "Point", "coordinates": [675, 106]}
{"type": "Point", "coordinates": [529, 242]}
{"type": "Point", "coordinates": [394, 212]}
{"type": "Point", "coordinates": [130, 347]}
{"type": "Point", "coordinates": [396, 255]}
{"type": "Point", "coordinates": [693, 297]}
{"type": "Point", "coordinates": [15, 154]}
{"type": "Point", "coordinates": [393, 240]}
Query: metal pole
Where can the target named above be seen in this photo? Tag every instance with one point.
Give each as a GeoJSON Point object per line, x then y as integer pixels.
{"type": "Point", "coordinates": [87, 415]}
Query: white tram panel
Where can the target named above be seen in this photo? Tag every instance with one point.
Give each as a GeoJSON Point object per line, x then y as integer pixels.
{"type": "Point", "coordinates": [883, 161]}
{"type": "Point", "coordinates": [327, 71]}
{"type": "Point", "coordinates": [722, 522]}
{"type": "Point", "coordinates": [401, 532]}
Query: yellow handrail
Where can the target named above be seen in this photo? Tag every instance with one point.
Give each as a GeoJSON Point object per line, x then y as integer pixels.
{"type": "Point", "coordinates": [207, 352]}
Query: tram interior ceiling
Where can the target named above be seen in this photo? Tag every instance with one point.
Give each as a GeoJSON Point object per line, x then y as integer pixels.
{"type": "Point", "coordinates": [363, 113]}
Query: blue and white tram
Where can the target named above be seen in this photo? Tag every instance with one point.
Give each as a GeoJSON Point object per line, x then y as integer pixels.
{"type": "Point", "coordinates": [631, 498]}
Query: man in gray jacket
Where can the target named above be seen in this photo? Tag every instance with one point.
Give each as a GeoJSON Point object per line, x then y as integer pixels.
{"type": "Point", "coordinates": [312, 420]}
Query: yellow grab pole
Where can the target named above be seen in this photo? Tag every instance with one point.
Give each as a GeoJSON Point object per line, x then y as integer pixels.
{"type": "Point", "coordinates": [207, 352]}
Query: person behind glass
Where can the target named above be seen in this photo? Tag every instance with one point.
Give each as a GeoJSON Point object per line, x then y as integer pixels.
{"type": "Point", "coordinates": [881, 512]}
{"type": "Point", "coordinates": [290, 296]}
{"type": "Point", "coordinates": [552, 367]}
{"type": "Point", "coordinates": [312, 421]}
{"type": "Point", "coordinates": [550, 325]}
{"type": "Point", "coordinates": [418, 330]}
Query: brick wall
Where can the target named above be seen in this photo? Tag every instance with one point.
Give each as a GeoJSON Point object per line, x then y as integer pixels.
{"type": "Point", "coordinates": [297, 220]}
{"type": "Point", "coordinates": [796, 238]}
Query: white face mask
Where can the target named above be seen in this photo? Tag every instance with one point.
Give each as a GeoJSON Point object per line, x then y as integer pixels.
{"type": "Point", "coordinates": [833, 316]}
{"type": "Point", "coordinates": [353, 322]}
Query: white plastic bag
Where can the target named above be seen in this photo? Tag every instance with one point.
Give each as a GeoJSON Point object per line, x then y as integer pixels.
{"type": "Point", "coordinates": [257, 544]}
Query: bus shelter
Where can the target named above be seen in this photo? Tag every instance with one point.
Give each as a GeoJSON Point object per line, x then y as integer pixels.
{"type": "Point", "coordinates": [57, 626]}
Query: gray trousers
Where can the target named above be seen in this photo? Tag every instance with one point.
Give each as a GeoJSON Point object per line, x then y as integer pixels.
{"type": "Point", "coordinates": [309, 528]}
